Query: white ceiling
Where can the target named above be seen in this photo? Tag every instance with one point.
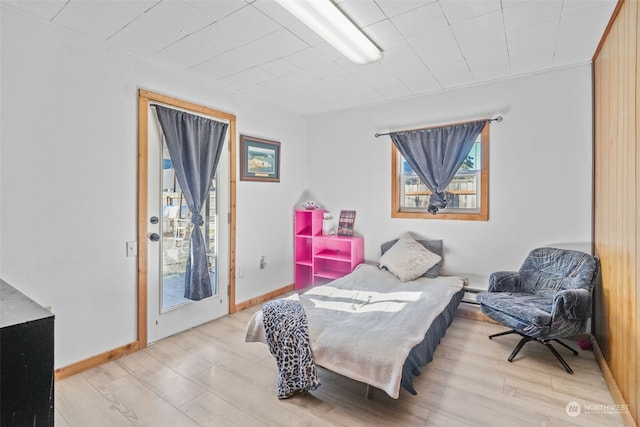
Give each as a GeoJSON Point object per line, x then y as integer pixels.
{"type": "Point", "coordinates": [257, 48]}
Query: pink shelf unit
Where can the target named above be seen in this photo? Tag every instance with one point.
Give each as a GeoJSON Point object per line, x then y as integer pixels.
{"type": "Point", "coordinates": [320, 259]}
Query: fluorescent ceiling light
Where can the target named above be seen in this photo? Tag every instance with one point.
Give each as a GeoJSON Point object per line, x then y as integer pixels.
{"type": "Point", "coordinates": [323, 17]}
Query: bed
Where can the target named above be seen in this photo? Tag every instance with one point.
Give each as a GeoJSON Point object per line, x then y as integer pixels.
{"type": "Point", "coordinates": [375, 325]}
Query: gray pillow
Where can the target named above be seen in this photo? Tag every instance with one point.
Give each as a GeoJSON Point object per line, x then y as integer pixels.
{"type": "Point", "coordinates": [434, 246]}
{"type": "Point", "coordinates": [407, 259]}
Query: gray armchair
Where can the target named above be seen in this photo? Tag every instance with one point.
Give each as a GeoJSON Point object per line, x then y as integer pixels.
{"type": "Point", "coordinates": [547, 299]}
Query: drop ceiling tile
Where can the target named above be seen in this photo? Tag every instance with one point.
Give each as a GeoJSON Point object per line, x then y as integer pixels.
{"type": "Point", "coordinates": [228, 34]}
{"type": "Point", "coordinates": [420, 21]}
{"type": "Point", "coordinates": [77, 19]}
{"type": "Point", "coordinates": [331, 53]}
{"type": "Point", "coordinates": [217, 9]}
{"type": "Point", "coordinates": [220, 67]}
{"type": "Point", "coordinates": [246, 24]}
{"type": "Point", "coordinates": [371, 73]}
{"type": "Point", "coordinates": [159, 27]}
{"type": "Point", "coordinates": [173, 58]}
{"type": "Point", "coordinates": [276, 12]}
{"type": "Point", "coordinates": [462, 10]}
{"type": "Point", "coordinates": [44, 9]}
{"type": "Point", "coordinates": [574, 6]}
{"type": "Point", "coordinates": [246, 78]}
{"type": "Point", "coordinates": [383, 33]}
{"type": "Point", "coordinates": [532, 49]}
{"type": "Point", "coordinates": [401, 60]}
{"type": "Point", "coordinates": [169, 21]}
{"type": "Point", "coordinates": [452, 73]}
{"type": "Point", "coordinates": [279, 68]}
{"type": "Point", "coordinates": [439, 51]}
{"type": "Point", "coordinates": [362, 12]}
{"type": "Point", "coordinates": [392, 89]}
{"type": "Point", "coordinates": [258, 91]}
{"type": "Point", "coordinates": [491, 65]}
{"type": "Point", "coordinates": [349, 97]}
{"type": "Point", "coordinates": [480, 34]}
{"type": "Point", "coordinates": [306, 59]}
{"type": "Point", "coordinates": [579, 35]}
{"type": "Point", "coordinates": [251, 54]}
{"type": "Point", "coordinates": [292, 81]}
{"type": "Point", "coordinates": [305, 33]}
{"type": "Point", "coordinates": [113, 13]}
{"type": "Point", "coordinates": [393, 8]}
{"type": "Point", "coordinates": [143, 45]}
{"type": "Point", "coordinates": [276, 45]}
{"type": "Point", "coordinates": [198, 47]}
{"type": "Point", "coordinates": [531, 13]}
{"type": "Point", "coordinates": [328, 71]}
{"type": "Point", "coordinates": [436, 47]}
{"type": "Point", "coordinates": [383, 81]}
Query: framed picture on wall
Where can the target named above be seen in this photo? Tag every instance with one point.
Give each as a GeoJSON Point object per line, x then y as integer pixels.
{"type": "Point", "coordinates": [260, 159]}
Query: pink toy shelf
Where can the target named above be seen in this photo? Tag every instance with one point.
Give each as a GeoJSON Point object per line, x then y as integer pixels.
{"type": "Point", "coordinates": [320, 259]}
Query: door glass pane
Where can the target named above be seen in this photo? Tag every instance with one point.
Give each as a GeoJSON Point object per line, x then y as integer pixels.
{"type": "Point", "coordinates": [176, 231]}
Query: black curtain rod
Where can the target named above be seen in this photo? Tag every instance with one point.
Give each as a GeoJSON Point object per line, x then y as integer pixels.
{"type": "Point", "coordinates": [497, 119]}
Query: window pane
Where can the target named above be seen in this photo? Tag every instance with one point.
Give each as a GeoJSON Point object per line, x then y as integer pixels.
{"type": "Point", "coordinates": [462, 194]}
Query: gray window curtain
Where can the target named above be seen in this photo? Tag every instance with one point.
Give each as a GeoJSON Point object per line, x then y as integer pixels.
{"type": "Point", "coordinates": [435, 154]}
{"type": "Point", "coordinates": [195, 144]}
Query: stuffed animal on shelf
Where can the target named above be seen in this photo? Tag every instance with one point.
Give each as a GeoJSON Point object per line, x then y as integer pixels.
{"type": "Point", "coordinates": [310, 204]}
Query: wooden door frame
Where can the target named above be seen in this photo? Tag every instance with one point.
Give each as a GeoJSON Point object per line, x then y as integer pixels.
{"type": "Point", "coordinates": [145, 97]}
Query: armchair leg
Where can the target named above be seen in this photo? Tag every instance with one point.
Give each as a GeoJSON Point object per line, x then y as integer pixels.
{"type": "Point", "coordinates": [521, 344]}
{"type": "Point", "coordinates": [557, 355]}
{"type": "Point", "coordinates": [512, 331]}
{"type": "Point", "coordinates": [547, 343]}
{"type": "Point", "coordinates": [575, 353]}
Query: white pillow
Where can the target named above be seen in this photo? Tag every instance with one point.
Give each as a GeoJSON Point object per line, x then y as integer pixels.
{"type": "Point", "coordinates": [408, 259]}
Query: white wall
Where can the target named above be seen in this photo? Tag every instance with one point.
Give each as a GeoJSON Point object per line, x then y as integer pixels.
{"type": "Point", "coordinates": [540, 168]}
{"type": "Point", "coordinates": [68, 181]}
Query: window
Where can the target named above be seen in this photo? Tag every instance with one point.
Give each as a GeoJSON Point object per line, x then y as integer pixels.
{"type": "Point", "coordinates": [467, 195]}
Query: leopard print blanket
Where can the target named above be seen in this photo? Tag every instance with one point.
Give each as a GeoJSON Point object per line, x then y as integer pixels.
{"type": "Point", "coordinates": [287, 333]}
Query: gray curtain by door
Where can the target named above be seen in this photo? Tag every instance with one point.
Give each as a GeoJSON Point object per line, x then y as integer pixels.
{"type": "Point", "coordinates": [195, 144]}
{"type": "Point", "coordinates": [435, 154]}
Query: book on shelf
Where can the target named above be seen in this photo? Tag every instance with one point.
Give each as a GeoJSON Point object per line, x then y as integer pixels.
{"type": "Point", "coordinates": [346, 222]}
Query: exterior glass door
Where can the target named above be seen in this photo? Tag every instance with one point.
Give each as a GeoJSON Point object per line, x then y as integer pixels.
{"type": "Point", "coordinates": [169, 228]}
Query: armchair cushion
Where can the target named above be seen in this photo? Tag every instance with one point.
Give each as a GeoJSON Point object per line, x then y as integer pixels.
{"type": "Point", "coordinates": [502, 281]}
{"type": "Point", "coordinates": [549, 270]}
{"type": "Point", "coordinates": [524, 308]}
{"type": "Point", "coordinates": [573, 304]}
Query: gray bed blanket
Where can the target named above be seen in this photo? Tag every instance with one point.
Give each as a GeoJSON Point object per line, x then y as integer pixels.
{"type": "Point", "coordinates": [364, 325]}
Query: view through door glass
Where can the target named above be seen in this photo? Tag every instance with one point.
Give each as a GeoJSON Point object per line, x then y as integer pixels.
{"type": "Point", "coordinates": [166, 237]}
{"type": "Point", "coordinates": [176, 230]}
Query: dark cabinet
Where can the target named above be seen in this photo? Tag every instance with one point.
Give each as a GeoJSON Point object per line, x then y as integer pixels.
{"type": "Point", "coordinates": [26, 360]}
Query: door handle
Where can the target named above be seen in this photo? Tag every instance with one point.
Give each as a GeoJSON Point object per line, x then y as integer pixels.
{"type": "Point", "coordinates": [154, 237]}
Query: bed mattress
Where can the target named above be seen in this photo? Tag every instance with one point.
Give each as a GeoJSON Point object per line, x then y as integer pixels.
{"type": "Point", "coordinates": [373, 328]}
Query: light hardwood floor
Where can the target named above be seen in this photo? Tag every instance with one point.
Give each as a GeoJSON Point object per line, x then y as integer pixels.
{"type": "Point", "coordinates": [209, 376]}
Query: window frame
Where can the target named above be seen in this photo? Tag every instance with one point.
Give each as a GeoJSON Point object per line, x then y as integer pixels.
{"type": "Point", "coordinates": [481, 215]}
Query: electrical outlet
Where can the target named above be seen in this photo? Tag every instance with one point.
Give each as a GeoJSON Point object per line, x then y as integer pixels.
{"type": "Point", "coordinates": [263, 262]}
{"type": "Point", "coordinates": [132, 248]}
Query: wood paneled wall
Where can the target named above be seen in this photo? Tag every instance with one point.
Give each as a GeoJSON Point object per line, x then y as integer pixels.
{"type": "Point", "coordinates": [616, 218]}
